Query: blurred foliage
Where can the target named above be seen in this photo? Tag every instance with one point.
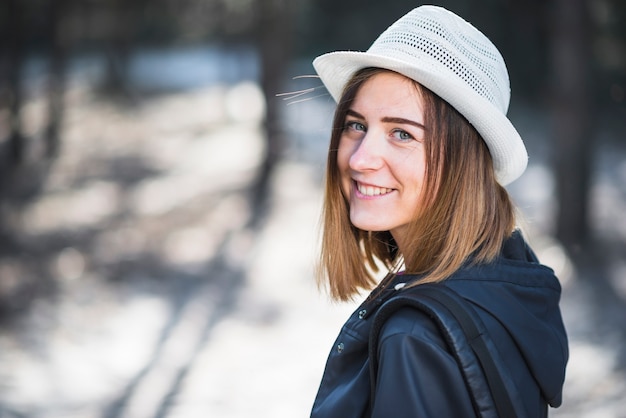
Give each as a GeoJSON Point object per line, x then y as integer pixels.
{"type": "Point", "coordinates": [519, 28]}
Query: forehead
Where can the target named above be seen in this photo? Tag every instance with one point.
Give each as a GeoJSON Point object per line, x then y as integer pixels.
{"type": "Point", "coordinates": [389, 92]}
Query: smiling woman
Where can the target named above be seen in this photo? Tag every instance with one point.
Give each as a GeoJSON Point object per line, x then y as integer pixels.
{"type": "Point", "coordinates": [380, 156]}
{"type": "Point", "coordinates": [392, 133]}
{"type": "Point", "coordinates": [419, 155]}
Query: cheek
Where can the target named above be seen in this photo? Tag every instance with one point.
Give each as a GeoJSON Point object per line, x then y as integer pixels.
{"type": "Point", "coordinates": [412, 172]}
{"type": "Point", "coordinates": [343, 164]}
{"type": "Point", "coordinates": [419, 180]}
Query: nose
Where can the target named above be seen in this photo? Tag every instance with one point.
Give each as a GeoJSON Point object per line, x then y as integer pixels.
{"type": "Point", "coordinates": [367, 154]}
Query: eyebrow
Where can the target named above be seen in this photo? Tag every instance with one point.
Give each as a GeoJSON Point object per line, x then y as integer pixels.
{"type": "Point", "coordinates": [389, 119]}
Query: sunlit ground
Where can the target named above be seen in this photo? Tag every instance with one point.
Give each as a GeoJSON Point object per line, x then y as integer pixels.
{"type": "Point", "coordinates": [167, 305]}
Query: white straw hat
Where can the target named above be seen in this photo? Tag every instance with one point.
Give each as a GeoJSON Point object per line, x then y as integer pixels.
{"type": "Point", "coordinates": [450, 57]}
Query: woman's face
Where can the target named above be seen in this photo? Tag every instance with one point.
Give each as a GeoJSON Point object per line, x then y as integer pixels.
{"type": "Point", "coordinates": [381, 157]}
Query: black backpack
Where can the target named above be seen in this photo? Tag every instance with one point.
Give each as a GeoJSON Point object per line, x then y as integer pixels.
{"type": "Point", "coordinates": [470, 347]}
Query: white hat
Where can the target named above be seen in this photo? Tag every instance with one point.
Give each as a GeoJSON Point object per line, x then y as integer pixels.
{"type": "Point", "coordinates": [450, 57]}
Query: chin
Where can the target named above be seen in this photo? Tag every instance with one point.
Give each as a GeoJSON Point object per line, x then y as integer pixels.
{"type": "Point", "coordinates": [369, 226]}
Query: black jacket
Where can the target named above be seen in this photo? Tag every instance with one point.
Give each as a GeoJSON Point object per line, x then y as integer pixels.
{"type": "Point", "coordinates": [517, 299]}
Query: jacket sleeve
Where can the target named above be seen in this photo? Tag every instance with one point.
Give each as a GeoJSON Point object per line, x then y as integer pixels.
{"type": "Point", "coordinates": [417, 375]}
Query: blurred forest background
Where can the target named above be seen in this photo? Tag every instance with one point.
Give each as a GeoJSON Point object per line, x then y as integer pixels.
{"type": "Point", "coordinates": [154, 184]}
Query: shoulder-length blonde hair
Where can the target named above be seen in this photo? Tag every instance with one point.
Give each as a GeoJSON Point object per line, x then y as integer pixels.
{"type": "Point", "coordinates": [465, 212]}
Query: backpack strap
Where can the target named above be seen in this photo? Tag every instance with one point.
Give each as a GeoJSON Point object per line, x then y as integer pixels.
{"type": "Point", "coordinates": [466, 337]}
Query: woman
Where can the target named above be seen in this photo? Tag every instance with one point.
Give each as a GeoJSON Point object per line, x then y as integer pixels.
{"type": "Point", "coordinates": [420, 151]}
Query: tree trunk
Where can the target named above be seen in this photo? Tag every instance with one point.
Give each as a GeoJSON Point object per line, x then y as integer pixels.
{"type": "Point", "coordinates": [120, 43]}
{"type": "Point", "coordinates": [274, 37]}
{"type": "Point", "coordinates": [14, 64]}
{"type": "Point", "coordinates": [56, 79]}
{"type": "Point", "coordinates": [572, 112]}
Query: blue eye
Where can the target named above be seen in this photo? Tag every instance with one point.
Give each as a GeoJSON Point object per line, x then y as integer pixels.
{"type": "Point", "coordinates": [402, 135]}
{"type": "Point", "coordinates": [357, 126]}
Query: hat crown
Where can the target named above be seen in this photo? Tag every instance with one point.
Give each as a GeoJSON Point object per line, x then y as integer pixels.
{"type": "Point", "coordinates": [438, 38]}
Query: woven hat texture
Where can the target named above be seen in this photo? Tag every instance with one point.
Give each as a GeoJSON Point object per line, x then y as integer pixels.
{"type": "Point", "coordinates": [453, 59]}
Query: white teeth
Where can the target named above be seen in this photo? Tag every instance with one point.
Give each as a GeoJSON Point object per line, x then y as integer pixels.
{"type": "Point", "coordinates": [372, 190]}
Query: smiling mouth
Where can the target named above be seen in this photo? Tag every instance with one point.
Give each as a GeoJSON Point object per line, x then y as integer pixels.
{"type": "Point", "coordinates": [368, 190]}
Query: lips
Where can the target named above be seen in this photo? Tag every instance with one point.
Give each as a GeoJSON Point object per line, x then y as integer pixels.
{"type": "Point", "coordinates": [370, 190]}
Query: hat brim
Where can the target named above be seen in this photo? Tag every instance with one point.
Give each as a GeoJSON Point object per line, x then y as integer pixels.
{"type": "Point", "coordinates": [504, 142]}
